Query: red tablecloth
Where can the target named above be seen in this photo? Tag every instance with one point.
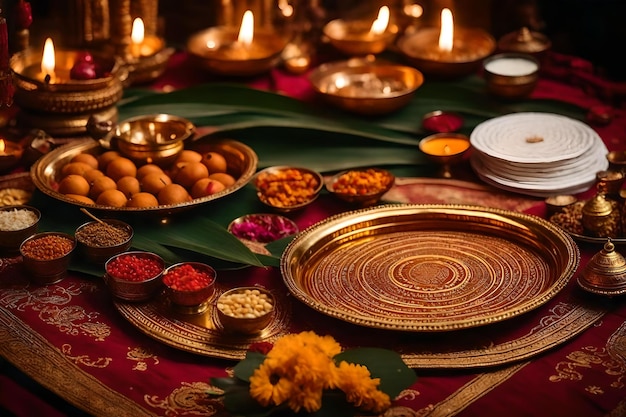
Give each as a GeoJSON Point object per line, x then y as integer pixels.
{"type": "Point", "coordinates": [70, 339]}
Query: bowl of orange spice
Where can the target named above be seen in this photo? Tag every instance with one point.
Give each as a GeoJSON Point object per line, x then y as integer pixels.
{"type": "Point", "coordinates": [286, 188]}
{"type": "Point", "coordinates": [363, 187]}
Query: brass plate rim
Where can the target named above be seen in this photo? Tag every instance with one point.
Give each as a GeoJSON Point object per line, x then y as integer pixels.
{"type": "Point", "coordinates": [303, 245]}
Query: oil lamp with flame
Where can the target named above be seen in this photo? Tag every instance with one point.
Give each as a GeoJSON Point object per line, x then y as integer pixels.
{"type": "Point", "coordinates": [362, 37]}
{"type": "Point", "coordinates": [245, 51]}
{"type": "Point", "coordinates": [10, 155]}
{"type": "Point", "coordinates": [445, 149]}
{"type": "Point", "coordinates": [447, 51]}
{"type": "Point", "coordinates": [148, 55]}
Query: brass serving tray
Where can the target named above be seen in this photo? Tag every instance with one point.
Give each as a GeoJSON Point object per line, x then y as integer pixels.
{"type": "Point", "coordinates": [241, 159]}
{"type": "Point", "coordinates": [428, 268]}
{"type": "Point", "coordinates": [202, 333]}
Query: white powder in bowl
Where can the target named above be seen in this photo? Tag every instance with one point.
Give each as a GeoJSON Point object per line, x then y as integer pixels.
{"type": "Point", "coordinates": [511, 66]}
{"type": "Point", "coordinates": [16, 219]}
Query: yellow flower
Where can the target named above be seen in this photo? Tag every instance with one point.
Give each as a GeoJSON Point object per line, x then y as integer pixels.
{"type": "Point", "coordinates": [269, 386]}
{"type": "Point", "coordinates": [360, 389]}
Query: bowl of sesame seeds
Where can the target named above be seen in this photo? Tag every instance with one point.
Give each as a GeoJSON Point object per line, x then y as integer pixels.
{"type": "Point", "coordinates": [47, 255]}
{"type": "Point", "coordinates": [16, 224]}
{"type": "Point", "coordinates": [100, 240]}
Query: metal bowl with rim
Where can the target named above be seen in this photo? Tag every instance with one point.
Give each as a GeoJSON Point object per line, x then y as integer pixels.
{"type": "Point", "coordinates": [135, 290]}
{"type": "Point", "coordinates": [367, 87]}
{"type": "Point", "coordinates": [286, 188]}
{"type": "Point", "coordinates": [362, 187]}
{"type": "Point", "coordinates": [187, 296]}
{"type": "Point", "coordinates": [250, 322]}
{"type": "Point", "coordinates": [99, 241]}
{"type": "Point", "coordinates": [12, 236]}
{"type": "Point", "coordinates": [47, 255]}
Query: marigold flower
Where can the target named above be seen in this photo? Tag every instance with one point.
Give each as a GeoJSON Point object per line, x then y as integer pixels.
{"type": "Point", "coordinates": [360, 388]}
{"type": "Point", "coordinates": [268, 386]}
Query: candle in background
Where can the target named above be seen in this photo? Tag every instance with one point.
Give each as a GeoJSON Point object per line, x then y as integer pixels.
{"type": "Point", "coordinates": [382, 20]}
{"type": "Point", "coordinates": [446, 36]}
{"type": "Point", "coordinates": [136, 36]}
{"type": "Point", "coordinates": [445, 146]}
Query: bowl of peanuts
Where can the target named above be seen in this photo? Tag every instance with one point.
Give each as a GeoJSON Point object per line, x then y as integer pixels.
{"type": "Point", "coordinates": [287, 188]}
{"type": "Point", "coordinates": [134, 275]}
{"type": "Point", "coordinates": [16, 224]}
{"type": "Point", "coordinates": [245, 310]}
{"type": "Point", "coordinates": [190, 286]}
{"type": "Point", "coordinates": [363, 187]}
{"type": "Point", "coordinates": [99, 240]}
{"type": "Point", "coordinates": [47, 255]}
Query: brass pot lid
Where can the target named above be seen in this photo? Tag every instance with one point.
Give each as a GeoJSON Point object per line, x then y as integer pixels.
{"type": "Point", "coordinates": [525, 41]}
{"type": "Point", "coordinates": [598, 206]}
{"type": "Point", "coordinates": [605, 273]}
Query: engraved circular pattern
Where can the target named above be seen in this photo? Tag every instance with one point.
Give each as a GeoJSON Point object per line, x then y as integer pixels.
{"type": "Point", "coordinates": [414, 268]}
{"type": "Point", "coordinates": [533, 137]}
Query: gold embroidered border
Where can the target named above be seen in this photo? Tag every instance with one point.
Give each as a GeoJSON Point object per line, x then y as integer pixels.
{"type": "Point", "coordinates": [33, 355]}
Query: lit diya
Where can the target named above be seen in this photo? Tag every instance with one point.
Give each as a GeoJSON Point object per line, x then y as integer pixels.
{"type": "Point", "coordinates": [149, 55]}
{"type": "Point", "coordinates": [10, 155]}
{"type": "Point", "coordinates": [447, 51]}
{"type": "Point", "coordinates": [360, 37]}
{"type": "Point", "coordinates": [446, 149]}
{"type": "Point", "coordinates": [249, 51]}
{"type": "Point", "coordinates": [58, 90]}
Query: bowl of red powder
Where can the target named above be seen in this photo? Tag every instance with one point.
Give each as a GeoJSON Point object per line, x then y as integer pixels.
{"type": "Point", "coordinates": [190, 286]}
{"type": "Point", "coordinates": [134, 275]}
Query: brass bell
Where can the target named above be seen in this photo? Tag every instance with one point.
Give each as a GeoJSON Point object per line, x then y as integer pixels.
{"type": "Point", "coordinates": [605, 273]}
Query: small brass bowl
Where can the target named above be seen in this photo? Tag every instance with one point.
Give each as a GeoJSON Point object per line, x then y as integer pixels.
{"type": "Point", "coordinates": [366, 87]}
{"type": "Point", "coordinates": [193, 300]}
{"type": "Point", "coordinates": [12, 236]}
{"type": "Point", "coordinates": [617, 161]}
{"type": "Point", "coordinates": [98, 242]}
{"type": "Point", "coordinates": [153, 139]}
{"type": "Point", "coordinates": [36, 252]}
{"type": "Point", "coordinates": [558, 203]}
{"type": "Point", "coordinates": [246, 323]}
{"type": "Point", "coordinates": [140, 290]}
{"type": "Point", "coordinates": [511, 75]}
{"type": "Point", "coordinates": [363, 187]}
{"type": "Point", "coordinates": [304, 187]}
{"type": "Point", "coordinates": [352, 37]}
{"type": "Point", "coordinates": [446, 150]}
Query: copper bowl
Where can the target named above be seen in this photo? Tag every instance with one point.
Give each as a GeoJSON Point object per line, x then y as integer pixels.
{"type": "Point", "coordinates": [511, 75]}
{"type": "Point", "coordinates": [190, 301]}
{"type": "Point", "coordinates": [366, 87]}
{"type": "Point", "coordinates": [11, 239]}
{"type": "Point", "coordinates": [254, 323]}
{"type": "Point", "coordinates": [46, 270]}
{"type": "Point", "coordinates": [352, 38]}
{"type": "Point", "coordinates": [127, 290]}
{"type": "Point", "coordinates": [304, 187]}
{"type": "Point", "coordinates": [99, 250]}
{"type": "Point", "coordinates": [362, 187]}
{"type": "Point", "coordinates": [617, 160]}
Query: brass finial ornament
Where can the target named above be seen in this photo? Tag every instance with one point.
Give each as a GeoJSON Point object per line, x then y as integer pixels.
{"type": "Point", "coordinates": [524, 41]}
{"type": "Point", "coordinates": [605, 273]}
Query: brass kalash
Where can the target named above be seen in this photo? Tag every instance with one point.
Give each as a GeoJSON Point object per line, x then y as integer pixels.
{"type": "Point", "coordinates": [61, 97]}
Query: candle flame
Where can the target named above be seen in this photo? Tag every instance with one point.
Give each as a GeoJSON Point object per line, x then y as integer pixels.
{"type": "Point", "coordinates": [2, 146]}
{"type": "Point", "coordinates": [380, 24]}
{"type": "Point", "coordinates": [48, 61]}
{"type": "Point", "coordinates": [285, 8]}
{"type": "Point", "coordinates": [446, 35]}
{"type": "Point", "coordinates": [446, 149]}
{"type": "Point", "coordinates": [138, 30]}
{"type": "Point", "coordinates": [246, 32]}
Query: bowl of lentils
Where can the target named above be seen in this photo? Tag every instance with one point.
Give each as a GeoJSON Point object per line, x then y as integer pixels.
{"type": "Point", "coordinates": [47, 255]}
{"type": "Point", "coordinates": [134, 275]}
{"type": "Point", "coordinates": [189, 286]}
{"type": "Point", "coordinates": [16, 224]}
{"type": "Point", "coordinates": [99, 240]}
{"type": "Point", "coordinates": [245, 310]}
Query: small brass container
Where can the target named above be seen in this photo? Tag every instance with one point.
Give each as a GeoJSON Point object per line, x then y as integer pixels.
{"type": "Point", "coordinates": [617, 160]}
{"type": "Point", "coordinates": [601, 217]}
{"type": "Point", "coordinates": [511, 75]}
{"type": "Point", "coordinates": [524, 41]}
{"type": "Point", "coordinates": [605, 274]}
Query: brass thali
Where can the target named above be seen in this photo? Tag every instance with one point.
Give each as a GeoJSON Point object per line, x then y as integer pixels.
{"type": "Point", "coordinates": [241, 160]}
{"type": "Point", "coordinates": [428, 268]}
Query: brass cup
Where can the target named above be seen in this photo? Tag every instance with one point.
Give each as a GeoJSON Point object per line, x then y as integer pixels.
{"type": "Point", "coordinates": [10, 240]}
{"type": "Point", "coordinates": [134, 290]}
{"type": "Point", "coordinates": [445, 159]}
{"type": "Point", "coordinates": [244, 325]}
{"type": "Point", "coordinates": [511, 75]}
{"type": "Point", "coordinates": [365, 87]}
{"type": "Point", "coordinates": [367, 199]}
{"type": "Point", "coordinates": [314, 189]}
{"type": "Point", "coordinates": [101, 254]}
{"type": "Point", "coordinates": [47, 271]}
{"type": "Point", "coordinates": [193, 301]}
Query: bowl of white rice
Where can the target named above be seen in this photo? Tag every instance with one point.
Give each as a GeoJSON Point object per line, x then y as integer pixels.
{"type": "Point", "coordinates": [16, 224]}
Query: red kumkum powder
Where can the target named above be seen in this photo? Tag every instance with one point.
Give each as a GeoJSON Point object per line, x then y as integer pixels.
{"type": "Point", "coordinates": [133, 268]}
{"type": "Point", "coordinates": [187, 278]}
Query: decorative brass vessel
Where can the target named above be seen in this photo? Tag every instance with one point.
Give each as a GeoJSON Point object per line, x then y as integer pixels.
{"type": "Point", "coordinates": [601, 217]}
{"type": "Point", "coordinates": [605, 274]}
{"type": "Point", "coordinates": [524, 41]}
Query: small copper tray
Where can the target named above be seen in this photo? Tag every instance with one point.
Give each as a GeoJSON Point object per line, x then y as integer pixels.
{"type": "Point", "coordinates": [202, 333]}
{"type": "Point", "coordinates": [428, 268]}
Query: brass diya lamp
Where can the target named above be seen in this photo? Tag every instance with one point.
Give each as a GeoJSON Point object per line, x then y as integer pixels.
{"type": "Point", "coordinates": [148, 55]}
{"type": "Point", "coordinates": [445, 149]}
{"type": "Point", "coordinates": [446, 52]}
{"type": "Point", "coordinates": [10, 155]}
{"type": "Point", "coordinates": [60, 90]}
{"type": "Point", "coordinates": [360, 37]}
{"type": "Point", "coordinates": [243, 51]}
{"type": "Point", "coordinates": [605, 273]}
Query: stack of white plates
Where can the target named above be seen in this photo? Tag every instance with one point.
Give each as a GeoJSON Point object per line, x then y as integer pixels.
{"type": "Point", "coordinates": [539, 154]}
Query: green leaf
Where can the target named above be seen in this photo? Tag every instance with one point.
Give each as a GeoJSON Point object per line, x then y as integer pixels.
{"type": "Point", "coordinates": [246, 367]}
{"type": "Point", "coordinates": [385, 364]}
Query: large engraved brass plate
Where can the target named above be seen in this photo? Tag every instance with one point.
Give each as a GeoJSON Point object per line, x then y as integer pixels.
{"type": "Point", "coordinates": [428, 268]}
